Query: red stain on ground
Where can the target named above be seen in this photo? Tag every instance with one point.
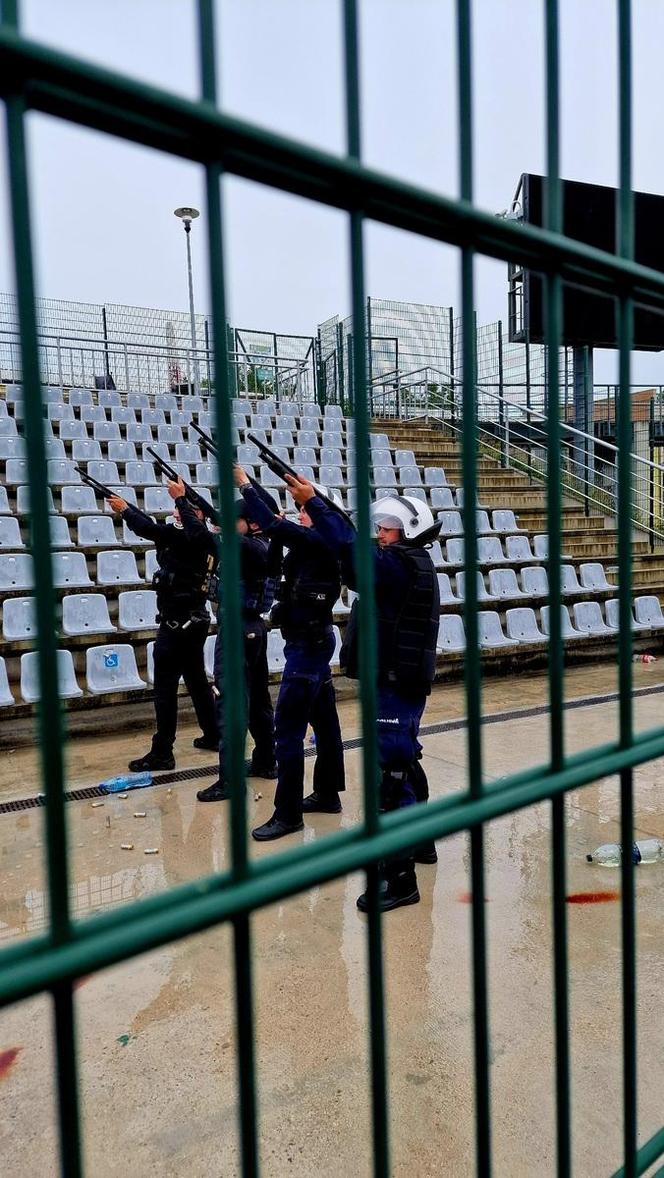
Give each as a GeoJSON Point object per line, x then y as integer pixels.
{"type": "Point", "coordinates": [467, 898]}
{"type": "Point", "coordinates": [81, 981]}
{"type": "Point", "coordinates": [7, 1060]}
{"type": "Point", "coordinates": [592, 897]}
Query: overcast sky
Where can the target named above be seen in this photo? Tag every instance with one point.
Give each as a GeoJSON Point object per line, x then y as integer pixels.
{"type": "Point", "coordinates": [103, 210]}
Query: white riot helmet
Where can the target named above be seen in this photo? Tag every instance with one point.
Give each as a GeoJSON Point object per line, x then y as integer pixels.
{"type": "Point", "coordinates": [412, 516]}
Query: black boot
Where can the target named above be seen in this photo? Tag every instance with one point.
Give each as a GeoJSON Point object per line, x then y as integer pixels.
{"type": "Point", "coordinates": [315, 804]}
{"type": "Point", "coordinates": [217, 792]}
{"type": "Point", "coordinates": [274, 828]}
{"type": "Point", "coordinates": [425, 853]}
{"type": "Point", "coordinates": [269, 772]}
{"type": "Point", "coordinates": [207, 742]}
{"type": "Point", "coordinates": [397, 888]}
{"type": "Point", "coordinates": [152, 761]}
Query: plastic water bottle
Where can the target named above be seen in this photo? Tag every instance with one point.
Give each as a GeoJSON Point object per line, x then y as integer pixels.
{"type": "Point", "coordinates": [644, 851]}
{"type": "Point", "coordinates": [126, 781]}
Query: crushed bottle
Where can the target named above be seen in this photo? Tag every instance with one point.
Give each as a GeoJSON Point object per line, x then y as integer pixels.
{"type": "Point", "coordinates": [126, 781]}
{"type": "Point", "coordinates": [643, 851]}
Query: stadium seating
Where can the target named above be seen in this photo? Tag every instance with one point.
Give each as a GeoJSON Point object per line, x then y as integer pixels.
{"type": "Point", "coordinates": [566, 628]}
{"type": "Point", "coordinates": [451, 634]}
{"type": "Point", "coordinates": [522, 625]}
{"type": "Point", "coordinates": [67, 685]}
{"type": "Point", "coordinates": [648, 610]}
{"type": "Point", "coordinates": [588, 618]}
{"type": "Point", "coordinates": [112, 668]}
{"type": "Point", "coordinates": [16, 571]}
{"type": "Point", "coordinates": [490, 630]}
{"type": "Point", "coordinates": [85, 613]}
{"type": "Point", "coordinates": [137, 609]}
{"type": "Point", "coordinates": [18, 619]}
{"type": "Point", "coordinates": [117, 568]}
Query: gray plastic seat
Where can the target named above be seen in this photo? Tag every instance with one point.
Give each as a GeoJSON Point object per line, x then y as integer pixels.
{"type": "Point", "coordinates": [138, 400]}
{"type": "Point", "coordinates": [405, 458]}
{"type": "Point", "coordinates": [139, 432]}
{"type": "Point", "coordinates": [384, 476]}
{"type": "Point", "coordinates": [86, 450]}
{"type": "Point", "coordinates": [16, 570]}
{"type": "Point", "coordinates": [19, 620]}
{"type": "Point", "coordinates": [447, 594]}
{"type": "Point", "coordinates": [569, 582]}
{"type": "Point", "coordinates": [159, 448]}
{"type": "Point", "coordinates": [436, 554]}
{"type": "Point", "coordinates": [483, 593]}
{"type": "Point", "coordinates": [117, 567]}
{"type": "Point", "coordinates": [451, 523]}
{"type": "Point", "coordinates": [206, 474]}
{"type": "Point", "coordinates": [415, 493]}
{"type": "Point", "coordinates": [276, 659]}
{"type": "Point", "coordinates": [69, 568]}
{"type": "Point", "coordinates": [483, 523]}
{"type": "Point", "coordinates": [112, 668]}
{"type": "Point", "coordinates": [305, 437]}
{"type": "Point", "coordinates": [6, 697]}
{"type": "Point", "coordinates": [304, 454]}
{"type": "Point", "coordinates": [541, 548]}
{"type": "Point", "coordinates": [647, 609]}
{"type": "Point", "coordinates": [108, 397]}
{"type": "Point", "coordinates": [140, 474]}
{"type": "Point", "coordinates": [10, 533]}
{"type": "Point", "coordinates": [73, 431]}
{"type": "Point", "coordinates": [505, 521]}
{"type": "Point", "coordinates": [23, 500]}
{"type": "Point", "coordinates": [170, 434]}
{"type": "Point", "coordinates": [86, 613]}
{"type": "Point", "coordinates": [333, 411]}
{"type": "Point", "coordinates": [61, 470]}
{"type": "Point", "coordinates": [60, 412]}
{"type": "Point", "coordinates": [330, 456]}
{"type": "Point", "coordinates": [310, 409]}
{"type": "Point", "coordinates": [54, 448]}
{"type": "Point", "coordinates": [95, 531]}
{"type": "Point", "coordinates": [593, 576]}
{"type": "Point", "coordinates": [260, 421]}
{"type": "Point", "coordinates": [123, 415]}
{"type": "Point", "coordinates": [12, 448]}
{"type": "Point", "coordinates": [503, 583]}
{"type": "Point", "coordinates": [379, 441]}
{"type": "Point", "coordinates": [8, 428]}
{"type": "Point", "coordinates": [78, 396]}
{"type": "Point", "coordinates": [333, 439]}
{"type": "Point", "coordinates": [451, 634]}
{"type": "Point", "coordinates": [157, 501]}
{"type": "Point", "coordinates": [122, 451]}
{"type": "Point", "coordinates": [518, 548]}
{"type": "Point", "coordinates": [409, 476]}
{"type": "Point", "coordinates": [282, 437]}
{"type": "Point", "coordinates": [612, 611]}
{"type": "Point", "coordinates": [67, 685]}
{"type": "Point", "coordinates": [241, 406]}
{"type": "Point", "coordinates": [92, 413]}
{"type": "Point", "coordinates": [331, 476]}
{"type": "Point", "coordinates": [566, 628]}
{"type": "Point", "coordinates": [130, 538]}
{"type": "Point", "coordinates": [380, 459]}
{"type": "Point", "coordinates": [588, 618]}
{"type": "Point", "coordinates": [189, 452]}
{"type": "Point", "coordinates": [434, 476]}
{"type": "Point", "coordinates": [4, 501]}
{"type": "Point", "coordinates": [490, 551]}
{"type": "Point", "coordinates": [534, 581]}
{"type": "Point", "coordinates": [248, 454]}
{"type": "Point", "coordinates": [441, 499]}
{"type": "Point", "coordinates": [522, 625]}
{"type": "Point", "coordinates": [59, 532]}
{"type": "Point", "coordinates": [16, 471]}
{"type": "Point", "coordinates": [151, 563]}
{"type": "Point", "coordinates": [137, 609]}
{"type": "Point", "coordinates": [181, 417]}
{"type": "Point", "coordinates": [104, 472]}
{"type": "Point", "coordinates": [106, 431]}
{"type": "Point", "coordinates": [490, 631]}
{"type": "Point", "coordinates": [455, 551]}
{"type": "Point", "coordinates": [77, 500]}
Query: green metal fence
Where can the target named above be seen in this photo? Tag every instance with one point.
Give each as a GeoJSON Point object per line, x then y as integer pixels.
{"type": "Point", "coordinates": [36, 78]}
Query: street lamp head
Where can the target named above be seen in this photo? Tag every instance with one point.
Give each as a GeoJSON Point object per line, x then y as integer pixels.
{"type": "Point", "coordinates": [186, 215]}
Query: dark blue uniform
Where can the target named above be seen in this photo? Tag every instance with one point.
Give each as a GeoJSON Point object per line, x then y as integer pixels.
{"type": "Point", "coordinates": [407, 609]}
{"type": "Point", "coordinates": [186, 558]}
{"type": "Point", "coordinates": [311, 585]}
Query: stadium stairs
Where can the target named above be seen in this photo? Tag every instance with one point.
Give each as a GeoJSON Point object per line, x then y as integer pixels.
{"type": "Point", "coordinates": [93, 706]}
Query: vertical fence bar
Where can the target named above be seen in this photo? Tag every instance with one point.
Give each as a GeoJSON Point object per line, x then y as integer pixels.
{"type": "Point", "coordinates": [233, 658]}
{"type": "Point", "coordinates": [625, 249]}
{"type": "Point", "coordinates": [49, 713]}
{"type": "Point", "coordinates": [553, 311]}
{"type": "Point", "coordinates": [472, 660]}
{"type": "Point", "coordinates": [366, 609]}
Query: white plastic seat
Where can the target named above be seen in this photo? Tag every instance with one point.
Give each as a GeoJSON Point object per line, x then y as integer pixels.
{"type": "Point", "coordinates": [157, 501]}
{"type": "Point", "coordinates": [593, 576]}
{"type": "Point", "coordinates": [541, 548]}
{"type": "Point", "coordinates": [8, 427]}
{"type": "Point", "coordinates": [117, 567]}
{"type": "Point", "coordinates": [276, 659]}
{"type": "Point", "coordinates": [69, 568]}
{"type": "Point", "coordinates": [105, 431]}
{"type": "Point", "coordinates": [381, 458]}
{"type": "Point", "coordinates": [384, 476]}
{"type": "Point", "coordinates": [85, 450]}
{"type": "Point", "coordinates": [331, 476]}
{"type": "Point", "coordinates": [60, 412]}
{"type": "Point", "coordinates": [310, 409]}
{"type": "Point", "coordinates": [505, 521]}
{"type": "Point", "coordinates": [6, 697]}
{"type": "Point", "coordinates": [206, 474]}
{"type": "Point", "coordinates": [518, 548]}
{"type": "Point", "coordinates": [566, 628]}
{"type": "Point", "coordinates": [95, 531]}
{"type": "Point", "coordinates": [304, 454]}
{"type": "Point", "coordinates": [240, 406]}
{"type": "Point", "coordinates": [522, 625]}
{"type": "Point", "coordinates": [503, 583]}
{"type": "Point", "coordinates": [612, 611]}
{"type": "Point", "coordinates": [151, 563]}
{"type": "Point", "coordinates": [282, 437]}
{"type": "Point", "coordinates": [648, 610]}
{"type": "Point", "coordinates": [440, 499]}
{"type": "Point", "coordinates": [91, 413]}
{"type": "Point", "coordinates": [332, 411]}
{"type": "Point", "coordinates": [122, 451]}
{"type": "Point", "coordinates": [137, 609]}
{"type": "Point", "coordinates": [434, 476]}
{"type": "Point", "coordinates": [483, 593]}
{"type": "Point", "coordinates": [73, 431]}
{"type": "Point", "coordinates": [285, 420]}
{"type": "Point", "coordinates": [269, 479]}
{"type": "Point", "coordinates": [405, 458]}
{"type": "Point", "coordinates": [12, 448]}
{"type": "Point", "coordinates": [54, 448]}
{"type": "Point", "coordinates": [248, 454]}
{"type": "Point", "coordinates": [333, 438]}
{"type": "Point", "coordinates": [569, 582]}
{"type": "Point", "coordinates": [490, 631]}
{"type": "Point", "coordinates": [67, 685]}
{"type": "Point", "coordinates": [170, 434]}
{"type": "Point", "coordinates": [379, 442]}
{"type": "Point", "coordinates": [23, 500]}
{"type": "Point", "coordinates": [138, 400]}
{"type": "Point", "coordinates": [112, 668]}
{"type": "Point", "coordinates": [16, 570]}
{"type": "Point", "coordinates": [182, 417]}
{"type": "Point", "coordinates": [588, 618]}
{"type": "Point", "coordinates": [534, 581]}
{"type": "Point", "coordinates": [260, 421]}
{"type": "Point", "coordinates": [305, 437]}
{"type": "Point", "coordinates": [139, 432]}
{"type": "Point", "coordinates": [131, 539]}
{"type": "Point", "coordinates": [108, 397]}
{"type": "Point", "coordinates": [334, 661]}
{"type": "Point", "coordinates": [10, 533]}
{"type": "Point", "coordinates": [61, 470]}
{"type": "Point", "coordinates": [189, 452]}
{"type": "Point", "coordinates": [483, 523]}
{"type": "Point", "coordinates": [76, 500]}
{"type": "Point", "coordinates": [140, 474]}
{"type": "Point", "coordinates": [330, 456]}
{"type": "Point", "coordinates": [415, 493]}
{"type": "Point", "coordinates": [19, 620]}
{"type": "Point", "coordinates": [78, 396]}
{"type": "Point", "coordinates": [446, 593]}
{"type": "Point", "coordinates": [123, 415]}
{"type": "Point", "coordinates": [454, 551]}
{"type": "Point", "coordinates": [490, 551]}
{"type": "Point", "coordinates": [451, 634]}
{"type": "Point", "coordinates": [59, 532]}
{"type": "Point", "coordinates": [409, 476]}
{"type": "Point", "coordinates": [86, 613]}
{"type": "Point", "coordinates": [4, 501]}
{"type": "Point", "coordinates": [104, 472]}
{"type": "Point", "coordinates": [436, 554]}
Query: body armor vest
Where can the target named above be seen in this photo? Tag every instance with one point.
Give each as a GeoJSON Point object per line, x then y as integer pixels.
{"type": "Point", "coordinates": [406, 638]}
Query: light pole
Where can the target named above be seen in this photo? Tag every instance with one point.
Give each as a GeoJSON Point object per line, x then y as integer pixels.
{"type": "Point", "coordinates": [187, 216]}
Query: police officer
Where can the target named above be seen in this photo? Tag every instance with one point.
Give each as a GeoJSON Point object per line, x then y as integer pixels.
{"type": "Point", "coordinates": [186, 555]}
{"type": "Point", "coordinates": [260, 565]}
{"type": "Point", "coordinates": [310, 587]}
{"type": "Point", "coordinates": [407, 608]}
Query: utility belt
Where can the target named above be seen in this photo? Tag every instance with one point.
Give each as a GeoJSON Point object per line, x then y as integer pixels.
{"type": "Point", "coordinates": [196, 620]}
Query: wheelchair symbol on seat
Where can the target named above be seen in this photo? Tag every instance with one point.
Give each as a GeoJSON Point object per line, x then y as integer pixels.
{"type": "Point", "coordinates": [111, 660]}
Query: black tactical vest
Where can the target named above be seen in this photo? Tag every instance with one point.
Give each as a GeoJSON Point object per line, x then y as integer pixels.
{"type": "Point", "coordinates": [406, 638]}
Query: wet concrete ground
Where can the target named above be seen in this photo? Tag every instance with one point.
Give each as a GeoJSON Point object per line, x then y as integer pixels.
{"type": "Point", "coordinates": [157, 1038]}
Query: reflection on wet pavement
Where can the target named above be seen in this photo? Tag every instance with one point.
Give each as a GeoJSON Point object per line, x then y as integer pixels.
{"type": "Point", "coordinates": [157, 1034]}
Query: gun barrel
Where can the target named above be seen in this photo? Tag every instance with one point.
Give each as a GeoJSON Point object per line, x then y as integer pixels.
{"type": "Point", "coordinates": [209, 442]}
